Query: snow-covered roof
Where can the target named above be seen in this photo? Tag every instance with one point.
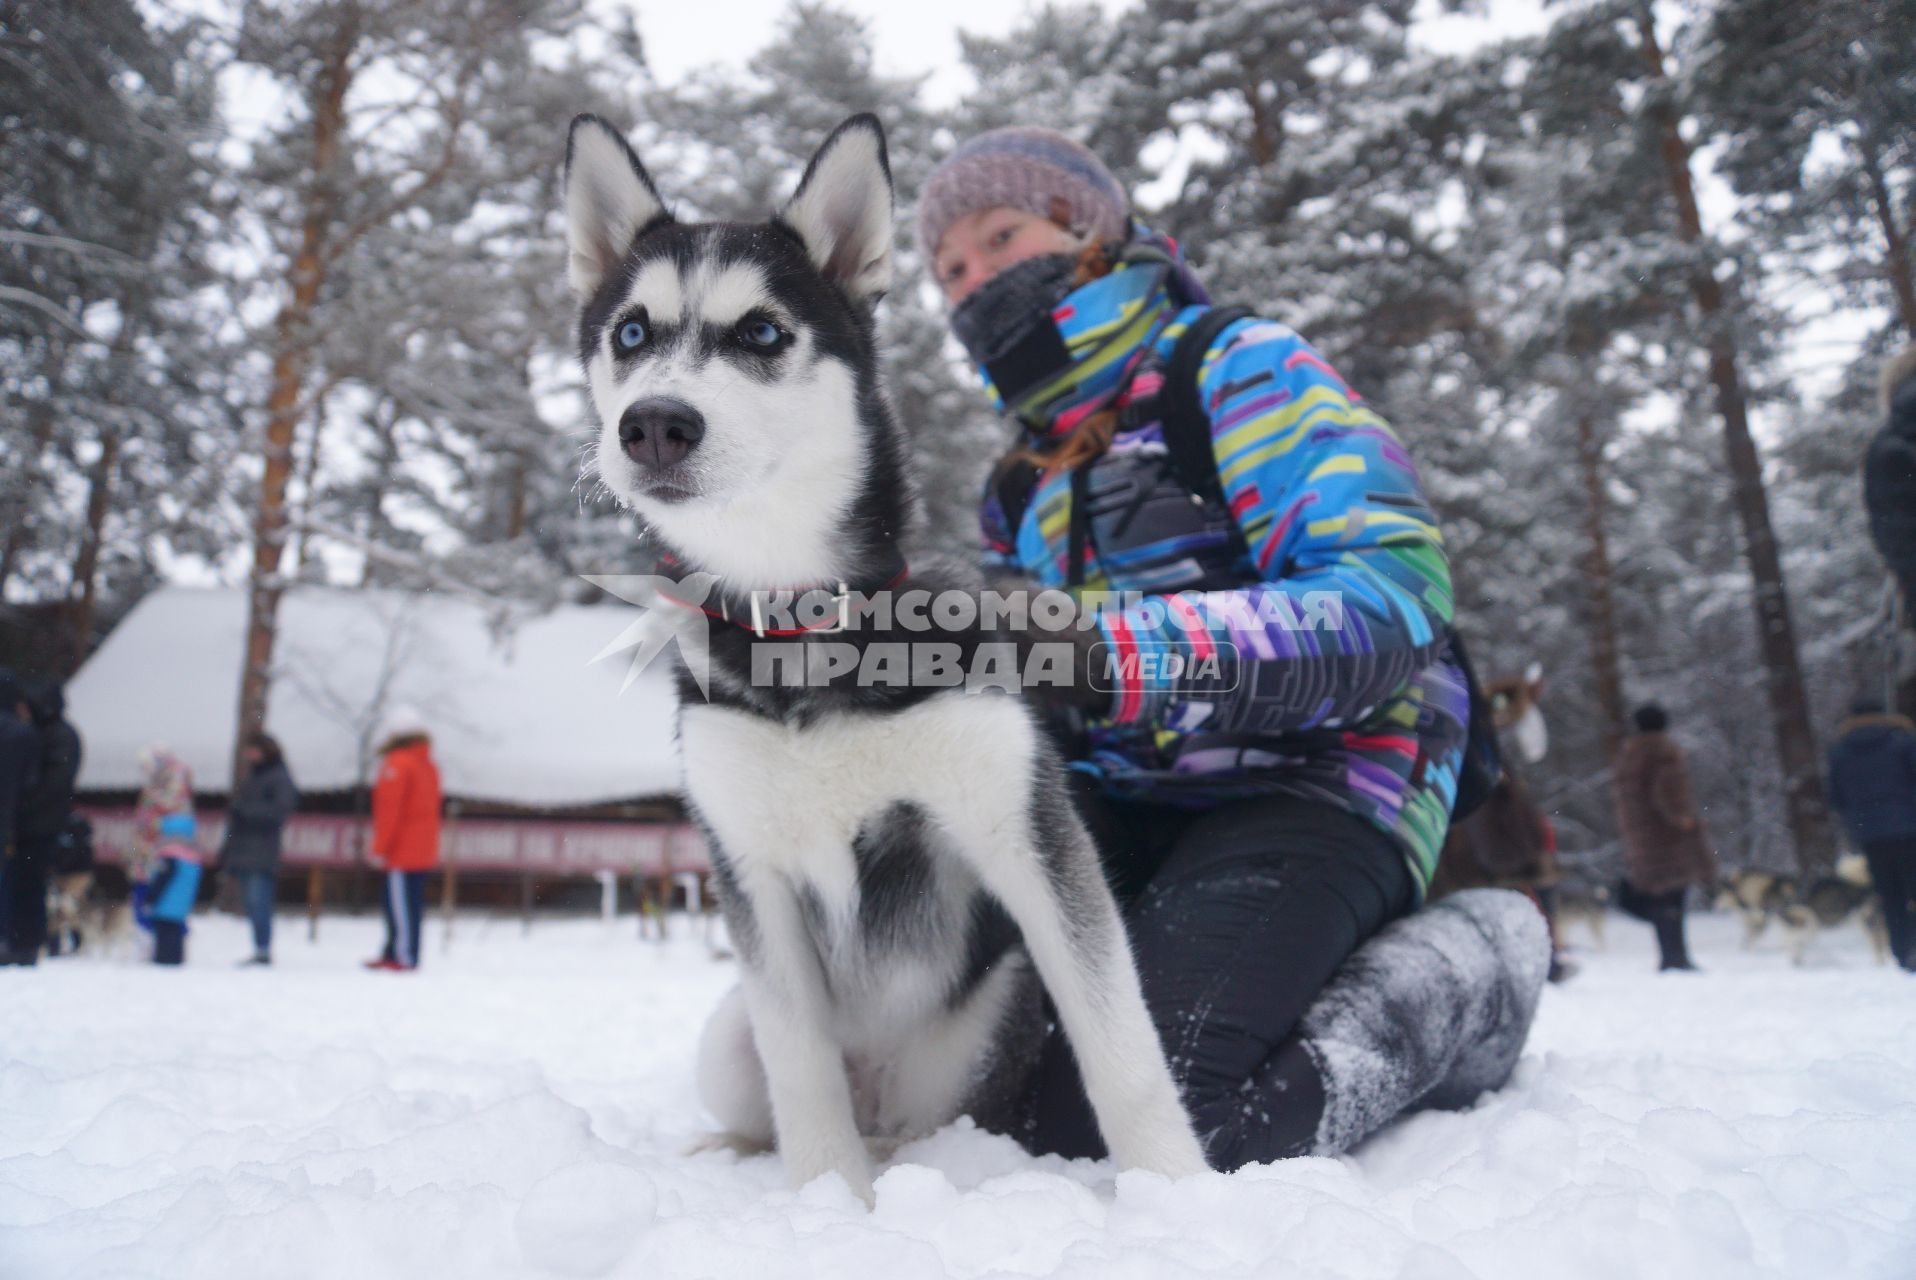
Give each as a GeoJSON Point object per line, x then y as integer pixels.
{"type": "Point", "coordinates": [522, 717]}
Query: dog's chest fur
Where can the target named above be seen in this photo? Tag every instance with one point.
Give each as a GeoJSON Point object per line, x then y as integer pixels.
{"type": "Point", "coordinates": [849, 810]}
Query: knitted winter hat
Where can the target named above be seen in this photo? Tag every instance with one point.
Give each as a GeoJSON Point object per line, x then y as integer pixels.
{"type": "Point", "coordinates": [1650, 718]}
{"type": "Point", "coordinates": [1038, 170]}
{"type": "Point", "coordinates": [403, 720]}
{"type": "Point", "coordinates": [152, 759]}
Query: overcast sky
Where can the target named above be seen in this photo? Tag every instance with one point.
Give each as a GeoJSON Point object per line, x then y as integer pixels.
{"type": "Point", "coordinates": [911, 36]}
{"type": "Point", "coordinates": [908, 36]}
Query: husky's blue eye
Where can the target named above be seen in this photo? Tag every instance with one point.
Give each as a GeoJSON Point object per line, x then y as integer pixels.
{"type": "Point", "coordinates": [760, 333]}
{"type": "Point", "coordinates": [631, 334]}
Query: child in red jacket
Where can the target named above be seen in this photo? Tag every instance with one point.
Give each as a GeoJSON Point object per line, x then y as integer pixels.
{"type": "Point", "coordinates": [405, 833]}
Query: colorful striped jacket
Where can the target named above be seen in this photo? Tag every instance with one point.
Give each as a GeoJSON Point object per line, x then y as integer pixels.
{"type": "Point", "coordinates": [1322, 601]}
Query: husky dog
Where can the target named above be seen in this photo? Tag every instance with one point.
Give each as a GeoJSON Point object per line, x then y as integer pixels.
{"type": "Point", "coordinates": [91, 912]}
{"type": "Point", "coordinates": [1805, 908]}
{"type": "Point", "coordinates": [1759, 897]}
{"type": "Point", "coordinates": [893, 862]}
{"type": "Point", "coordinates": [1586, 905]}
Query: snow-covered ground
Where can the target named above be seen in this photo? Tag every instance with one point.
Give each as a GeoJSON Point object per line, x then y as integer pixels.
{"type": "Point", "coordinates": [521, 1107]}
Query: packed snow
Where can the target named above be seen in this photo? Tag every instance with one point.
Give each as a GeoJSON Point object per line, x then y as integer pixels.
{"type": "Point", "coordinates": [524, 1106]}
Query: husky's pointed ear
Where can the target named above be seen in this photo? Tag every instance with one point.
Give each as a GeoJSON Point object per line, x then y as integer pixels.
{"type": "Point", "coordinates": [608, 201]}
{"type": "Point", "coordinates": [842, 209]}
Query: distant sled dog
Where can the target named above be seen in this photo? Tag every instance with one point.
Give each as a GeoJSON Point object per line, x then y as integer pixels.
{"type": "Point", "coordinates": [893, 862]}
{"type": "Point", "coordinates": [1587, 905]}
{"type": "Point", "coordinates": [1805, 908]}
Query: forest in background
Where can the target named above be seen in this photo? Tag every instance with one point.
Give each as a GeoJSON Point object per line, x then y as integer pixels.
{"type": "Point", "coordinates": [282, 300]}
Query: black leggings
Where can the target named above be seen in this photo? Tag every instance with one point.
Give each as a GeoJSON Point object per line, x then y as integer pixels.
{"type": "Point", "coordinates": [1664, 913]}
{"type": "Point", "coordinates": [1238, 916]}
{"type": "Point", "coordinates": [1892, 868]}
{"type": "Point", "coordinates": [25, 918]}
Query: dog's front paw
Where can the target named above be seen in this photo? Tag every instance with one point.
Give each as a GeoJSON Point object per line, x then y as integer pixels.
{"type": "Point", "coordinates": [859, 1184]}
{"type": "Point", "coordinates": [1157, 1138]}
{"type": "Point", "coordinates": [1176, 1155]}
{"type": "Point", "coordinates": [738, 1144]}
{"type": "Point", "coordinates": [805, 1161]}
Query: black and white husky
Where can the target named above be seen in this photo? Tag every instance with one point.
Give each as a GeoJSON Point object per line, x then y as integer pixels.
{"type": "Point", "coordinates": [893, 861]}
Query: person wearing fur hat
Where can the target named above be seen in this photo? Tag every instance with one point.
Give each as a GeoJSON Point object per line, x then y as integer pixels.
{"type": "Point", "coordinates": [166, 788]}
{"type": "Point", "coordinates": [1872, 773]}
{"type": "Point", "coordinates": [1270, 805]}
{"type": "Point", "coordinates": [175, 885]}
{"type": "Point", "coordinates": [405, 838]}
{"type": "Point", "coordinates": [1666, 847]}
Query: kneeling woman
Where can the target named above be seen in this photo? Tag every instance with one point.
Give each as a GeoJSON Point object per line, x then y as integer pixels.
{"type": "Point", "coordinates": [1264, 816]}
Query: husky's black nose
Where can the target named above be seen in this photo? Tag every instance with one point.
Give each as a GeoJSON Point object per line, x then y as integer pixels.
{"type": "Point", "coordinates": [657, 432]}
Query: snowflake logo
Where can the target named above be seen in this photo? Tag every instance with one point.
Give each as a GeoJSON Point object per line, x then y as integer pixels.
{"type": "Point", "coordinates": [673, 607]}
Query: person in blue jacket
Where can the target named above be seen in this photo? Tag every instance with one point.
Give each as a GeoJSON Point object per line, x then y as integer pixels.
{"type": "Point", "coordinates": [178, 864]}
{"type": "Point", "coordinates": [1270, 753]}
{"type": "Point", "coordinates": [1872, 788]}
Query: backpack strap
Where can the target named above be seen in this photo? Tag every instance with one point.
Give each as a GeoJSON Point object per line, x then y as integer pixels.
{"type": "Point", "coordinates": [1013, 482]}
{"type": "Point", "coordinates": [1187, 428]}
{"type": "Point", "coordinates": [1017, 478]}
{"type": "Point", "coordinates": [1079, 532]}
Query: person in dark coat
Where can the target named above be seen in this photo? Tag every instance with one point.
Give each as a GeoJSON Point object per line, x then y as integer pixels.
{"type": "Point", "coordinates": [1872, 772]}
{"type": "Point", "coordinates": [45, 808]}
{"type": "Point", "coordinates": [19, 767]}
{"type": "Point", "coordinates": [1665, 846]}
{"type": "Point", "coordinates": [1889, 493]}
{"type": "Point", "coordinates": [254, 823]}
{"type": "Point", "coordinates": [1889, 474]}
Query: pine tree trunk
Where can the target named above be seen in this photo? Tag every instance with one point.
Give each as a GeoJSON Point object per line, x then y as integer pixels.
{"type": "Point", "coordinates": [1776, 638]}
{"type": "Point", "coordinates": [1267, 127]}
{"type": "Point", "coordinates": [308, 478]}
{"type": "Point", "coordinates": [292, 338]}
{"type": "Point", "coordinates": [83, 591]}
{"type": "Point", "coordinates": [1599, 577]}
{"type": "Point", "coordinates": [518, 471]}
{"type": "Point", "coordinates": [384, 422]}
{"type": "Point", "coordinates": [1896, 258]}
{"type": "Point", "coordinates": [19, 503]}
{"type": "Point", "coordinates": [515, 524]}
{"type": "Point", "coordinates": [86, 566]}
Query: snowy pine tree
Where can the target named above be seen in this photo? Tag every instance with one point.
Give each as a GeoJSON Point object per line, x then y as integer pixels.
{"type": "Point", "coordinates": [405, 202]}
{"type": "Point", "coordinates": [114, 357]}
